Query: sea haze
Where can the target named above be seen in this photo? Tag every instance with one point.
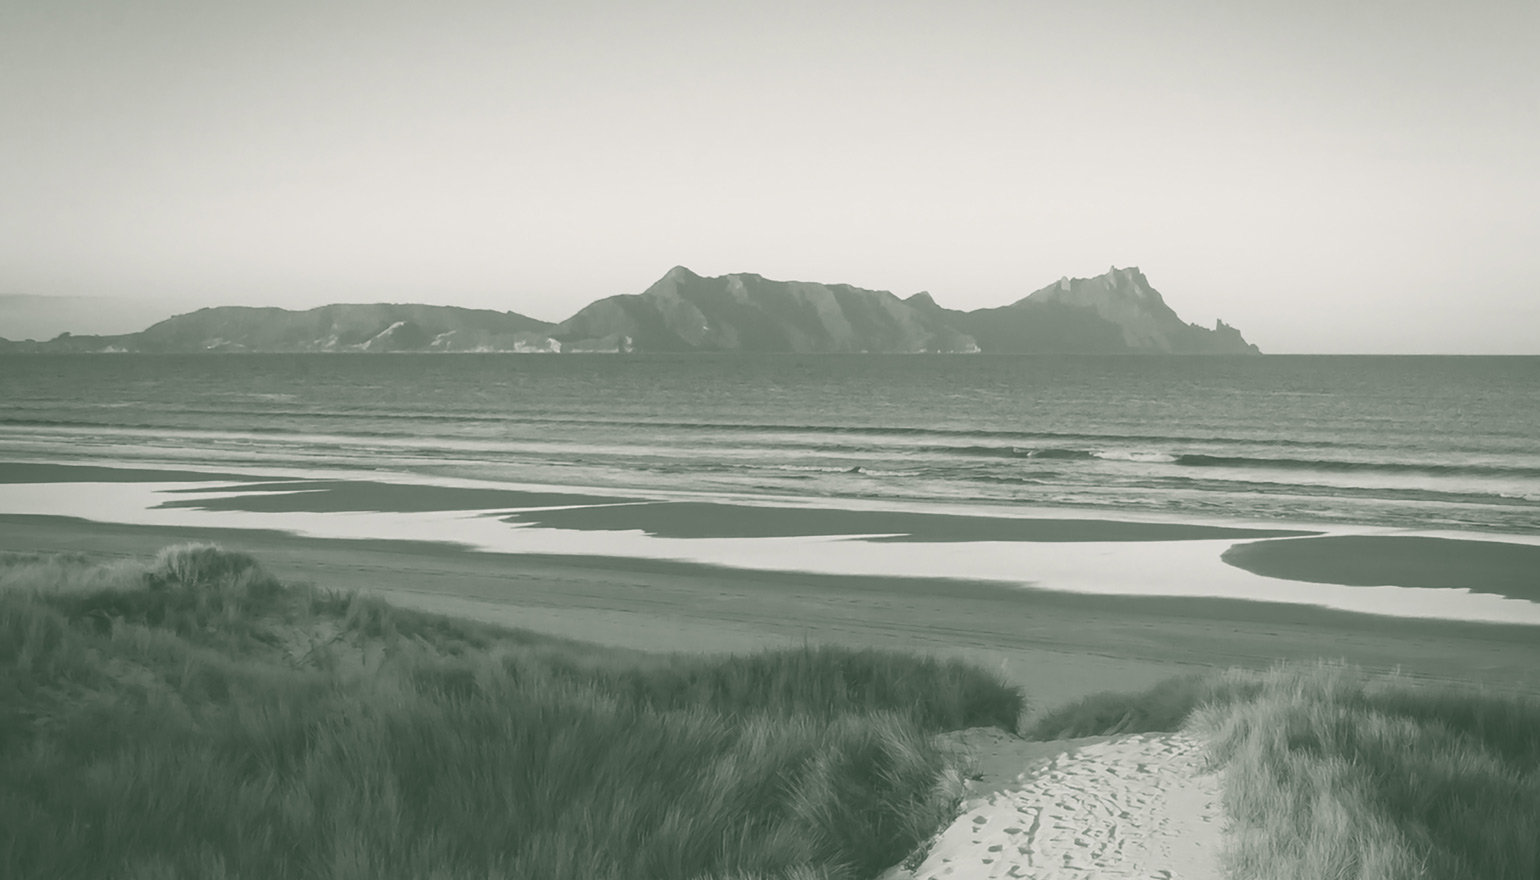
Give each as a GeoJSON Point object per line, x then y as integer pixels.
{"type": "Point", "coordinates": [1250, 447]}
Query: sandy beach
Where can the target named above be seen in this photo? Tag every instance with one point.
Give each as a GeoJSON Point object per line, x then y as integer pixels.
{"type": "Point", "coordinates": [1138, 806]}
{"type": "Point", "coordinates": [1057, 645]}
{"type": "Point", "coordinates": [1063, 604]}
{"type": "Point", "coordinates": [1131, 554]}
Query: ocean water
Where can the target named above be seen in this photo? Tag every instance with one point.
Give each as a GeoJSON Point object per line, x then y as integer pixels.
{"type": "Point", "coordinates": [1440, 444]}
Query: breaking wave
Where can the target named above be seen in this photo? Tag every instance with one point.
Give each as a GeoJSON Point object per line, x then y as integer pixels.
{"type": "Point", "coordinates": [1339, 466]}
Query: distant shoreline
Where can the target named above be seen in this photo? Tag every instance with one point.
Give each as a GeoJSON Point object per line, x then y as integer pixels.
{"type": "Point", "coordinates": [1270, 355]}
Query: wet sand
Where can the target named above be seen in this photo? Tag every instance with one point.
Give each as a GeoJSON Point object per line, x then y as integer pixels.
{"type": "Point", "coordinates": [1511, 570]}
{"type": "Point", "coordinates": [586, 511]}
{"type": "Point", "coordinates": [1057, 645]}
{"type": "Point", "coordinates": [1067, 551]}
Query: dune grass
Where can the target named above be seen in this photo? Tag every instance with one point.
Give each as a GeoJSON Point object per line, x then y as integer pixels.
{"type": "Point", "coordinates": [195, 718]}
{"type": "Point", "coordinates": [1333, 772]}
{"type": "Point", "coordinates": [1163, 708]}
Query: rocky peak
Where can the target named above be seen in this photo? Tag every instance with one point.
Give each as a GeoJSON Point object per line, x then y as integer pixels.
{"type": "Point", "coordinates": [1113, 286]}
{"type": "Point", "coordinates": [922, 300]}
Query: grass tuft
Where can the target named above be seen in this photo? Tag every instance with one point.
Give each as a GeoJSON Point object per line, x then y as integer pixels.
{"type": "Point", "coordinates": [194, 717]}
{"type": "Point", "coordinates": [823, 681]}
{"type": "Point", "coordinates": [194, 565]}
{"type": "Point", "coordinates": [1164, 707]}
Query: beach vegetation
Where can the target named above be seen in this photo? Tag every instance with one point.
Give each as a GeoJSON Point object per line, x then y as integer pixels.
{"type": "Point", "coordinates": [1164, 708]}
{"type": "Point", "coordinates": [195, 717]}
{"type": "Point", "coordinates": [1331, 771]}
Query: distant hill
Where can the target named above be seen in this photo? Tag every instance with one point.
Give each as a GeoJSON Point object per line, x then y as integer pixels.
{"type": "Point", "coordinates": [377, 328]}
{"type": "Point", "coordinates": [1118, 312]}
{"type": "Point", "coordinates": [745, 312]}
{"type": "Point", "coordinates": [1112, 313]}
{"type": "Point", "coordinates": [28, 316]}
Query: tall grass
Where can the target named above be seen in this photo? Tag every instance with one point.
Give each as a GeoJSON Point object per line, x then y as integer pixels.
{"type": "Point", "coordinates": [1163, 708]}
{"type": "Point", "coordinates": [1332, 772]}
{"type": "Point", "coordinates": [194, 717]}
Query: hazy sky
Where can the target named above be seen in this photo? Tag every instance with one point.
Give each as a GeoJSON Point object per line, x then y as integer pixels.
{"type": "Point", "coordinates": [1328, 176]}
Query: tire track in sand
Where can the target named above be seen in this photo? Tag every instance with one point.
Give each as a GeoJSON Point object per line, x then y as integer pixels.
{"type": "Point", "coordinates": [1139, 806]}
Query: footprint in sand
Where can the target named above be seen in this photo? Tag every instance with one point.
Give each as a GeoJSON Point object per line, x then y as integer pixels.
{"type": "Point", "coordinates": [1133, 807]}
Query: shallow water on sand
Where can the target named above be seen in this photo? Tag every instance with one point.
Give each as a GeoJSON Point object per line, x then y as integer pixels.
{"type": "Point", "coordinates": [1080, 554]}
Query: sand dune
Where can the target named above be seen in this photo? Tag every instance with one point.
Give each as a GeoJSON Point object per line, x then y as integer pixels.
{"type": "Point", "coordinates": [1139, 806]}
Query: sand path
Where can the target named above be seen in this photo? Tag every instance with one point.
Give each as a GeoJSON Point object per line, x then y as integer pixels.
{"type": "Point", "coordinates": [1137, 806]}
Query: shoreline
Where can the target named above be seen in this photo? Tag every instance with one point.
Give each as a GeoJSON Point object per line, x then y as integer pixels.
{"type": "Point", "coordinates": [1483, 578]}
{"type": "Point", "coordinates": [254, 479]}
{"type": "Point", "coordinates": [1060, 646]}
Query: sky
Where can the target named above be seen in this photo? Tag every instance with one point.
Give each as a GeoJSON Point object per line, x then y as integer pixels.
{"type": "Point", "coordinates": [1327, 175]}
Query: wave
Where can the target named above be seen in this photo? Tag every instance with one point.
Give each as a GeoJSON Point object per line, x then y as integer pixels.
{"type": "Point", "coordinates": [993, 478]}
{"type": "Point", "coordinates": [1136, 456]}
{"type": "Point", "coordinates": [1056, 453]}
{"type": "Point", "coordinates": [1066, 453]}
{"type": "Point", "coordinates": [1258, 485]}
{"type": "Point", "coordinates": [1339, 466]}
{"type": "Point", "coordinates": [1202, 460]}
{"type": "Point", "coordinates": [981, 451]}
{"type": "Point", "coordinates": [860, 470]}
{"type": "Point", "coordinates": [1051, 453]}
{"type": "Point", "coordinates": [809, 468]}
{"type": "Point", "coordinates": [1061, 454]}
{"type": "Point", "coordinates": [148, 426]}
{"type": "Point", "coordinates": [175, 417]}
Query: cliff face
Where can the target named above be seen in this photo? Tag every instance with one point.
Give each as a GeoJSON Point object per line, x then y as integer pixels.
{"type": "Point", "coordinates": [1115, 313]}
{"type": "Point", "coordinates": [1111, 313]}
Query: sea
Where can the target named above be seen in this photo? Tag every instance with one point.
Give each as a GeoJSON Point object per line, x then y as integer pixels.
{"type": "Point", "coordinates": [1431, 445]}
